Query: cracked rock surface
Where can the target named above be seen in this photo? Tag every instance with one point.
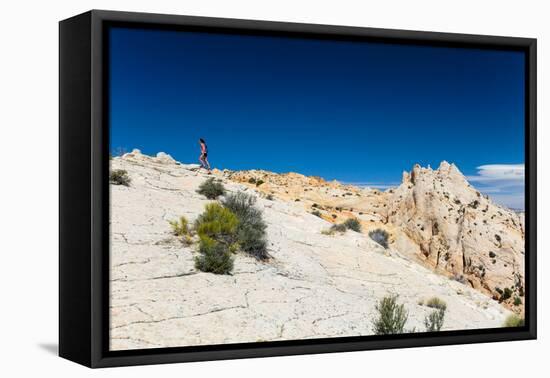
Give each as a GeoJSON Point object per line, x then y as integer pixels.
{"type": "Point", "coordinates": [314, 286]}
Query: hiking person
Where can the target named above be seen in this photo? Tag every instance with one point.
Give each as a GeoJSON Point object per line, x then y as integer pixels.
{"type": "Point", "coordinates": [204, 155]}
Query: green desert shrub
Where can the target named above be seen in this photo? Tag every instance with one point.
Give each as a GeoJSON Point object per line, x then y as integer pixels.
{"type": "Point", "coordinates": [340, 227]}
{"type": "Point", "coordinates": [434, 321]}
{"type": "Point", "coordinates": [391, 316]}
{"type": "Point", "coordinates": [506, 294]}
{"type": "Point", "coordinates": [349, 224]}
{"type": "Point", "coordinates": [243, 206]}
{"type": "Point", "coordinates": [259, 182]}
{"type": "Point", "coordinates": [214, 257]}
{"type": "Point", "coordinates": [211, 188]}
{"type": "Point", "coordinates": [252, 241]}
{"type": "Point", "coordinates": [119, 177]}
{"type": "Point", "coordinates": [380, 236]}
{"type": "Point", "coordinates": [436, 303]}
{"type": "Point", "coordinates": [353, 224]}
{"type": "Point", "coordinates": [517, 301]}
{"type": "Point", "coordinates": [218, 223]}
{"type": "Point", "coordinates": [251, 228]}
{"type": "Point", "coordinates": [317, 213]}
{"type": "Point", "coordinates": [180, 227]}
{"type": "Point", "coordinates": [514, 321]}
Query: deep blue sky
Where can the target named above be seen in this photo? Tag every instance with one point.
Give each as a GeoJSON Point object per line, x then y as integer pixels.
{"type": "Point", "coordinates": [353, 111]}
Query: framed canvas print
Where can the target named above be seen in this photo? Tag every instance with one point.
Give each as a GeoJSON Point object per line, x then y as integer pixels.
{"type": "Point", "coordinates": [233, 188]}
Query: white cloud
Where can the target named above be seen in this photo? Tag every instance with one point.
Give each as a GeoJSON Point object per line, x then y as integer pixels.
{"type": "Point", "coordinates": [504, 183]}
{"type": "Point", "coordinates": [512, 173]}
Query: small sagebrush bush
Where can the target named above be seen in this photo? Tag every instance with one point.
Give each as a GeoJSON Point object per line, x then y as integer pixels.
{"type": "Point", "coordinates": [349, 224]}
{"type": "Point", "coordinates": [340, 227]}
{"type": "Point", "coordinates": [217, 223]}
{"type": "Point", "coordinates": [391, 317]}
{"type": "Point", "coordinates": [353, 224]}
{"type": "Point", "coordinates": [214, 257]}
{"type": "Point", "coordinates": [119, 177]}
{"type": "Point", "coordinates": [211, 188]}
{"type": "Point", "coordinates": [259, 182]}
{"type": "Point", "coordinates": [436, 303]}
{"type": "Point", "coordinates": [252, 241]}
{"type": "Point", "coordinates": [380, 236]}
{"type": "Point", "coordinates": [434, 321]}
{"type": "Point", "coordinates": [243, 206]}
{"type": "Point", "coordinates": [317, 213]}
{"type": "Point", "coordinates": [269, 197]}
{"type": "Point", "coordinates": [517, 301]}
{"type": "Point", "coordinates": [514, 321]}
{"type": "Point", "coordinates": [180, 227]}
{"type": "Point", "coordinates": [251, 228]}
{"type": "Point", "coordinates": [506, 294]}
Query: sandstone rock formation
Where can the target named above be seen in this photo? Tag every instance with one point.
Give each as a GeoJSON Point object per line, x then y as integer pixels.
{"type": "Point", "coordinates": [434, 217]}
{"type": "Point", "coordinates": [455, 229]}
{"type": "Point", "coordinates": [314, 285]}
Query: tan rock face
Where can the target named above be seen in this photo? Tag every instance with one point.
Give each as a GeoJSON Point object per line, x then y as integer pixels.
{"type": "Point", "coordinates": [455, 229]}
{"type": "Point", "coordinates": [334, 201]}
{"type": "Point", "coordinates": [434, 216]}
{"type": "Point", "coordinates": [314, 285]}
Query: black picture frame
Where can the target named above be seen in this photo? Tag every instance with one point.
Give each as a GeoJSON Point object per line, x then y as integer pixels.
{"type": "Point", "coordinates": [84, 190]}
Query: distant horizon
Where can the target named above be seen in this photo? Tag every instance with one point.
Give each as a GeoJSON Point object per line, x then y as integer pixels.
{"type": "Point", "coordinates": [380, 186]}
{"type": "Point", "coordinates": [357, 112]}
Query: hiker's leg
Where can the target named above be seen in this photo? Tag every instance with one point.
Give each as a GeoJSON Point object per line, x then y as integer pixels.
{"type": "Point", "coordinates": [207, 164]}
{"type": "Point", "coordinates": [201, 159]}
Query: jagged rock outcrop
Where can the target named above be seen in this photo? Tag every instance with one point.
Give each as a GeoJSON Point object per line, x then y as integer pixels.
{"type": "Point", "coordinates": [314, 285]}
{"type": "Point", "coordinates": [457, 230]}
{"type": "Point", "coordinates": [435, 217]}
